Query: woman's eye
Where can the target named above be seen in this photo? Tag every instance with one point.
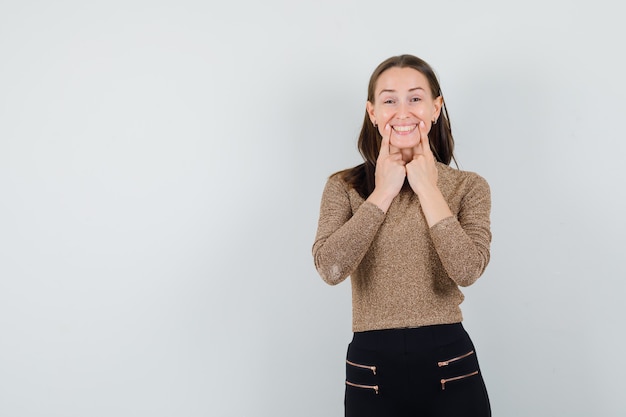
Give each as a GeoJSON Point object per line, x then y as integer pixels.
{"type": "Point", "coordinates": [388, 101]}
{"type": "Point", "coordinates": [416, 99]}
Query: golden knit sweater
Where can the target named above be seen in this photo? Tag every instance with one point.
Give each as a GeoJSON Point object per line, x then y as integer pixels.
{"type": "Point", "coordinates": [403, 273]}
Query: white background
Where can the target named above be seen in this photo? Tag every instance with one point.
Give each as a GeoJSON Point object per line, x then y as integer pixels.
{"type": "Point", "coordinates": [161, 167]}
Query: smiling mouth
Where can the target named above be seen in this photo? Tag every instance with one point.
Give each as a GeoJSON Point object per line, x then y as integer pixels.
{"type": "Point", "coordinates": [403, 129]}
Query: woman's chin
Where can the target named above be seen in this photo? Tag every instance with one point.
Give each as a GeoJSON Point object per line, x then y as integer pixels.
{"type": "Point", "coordinates": [402, 143]}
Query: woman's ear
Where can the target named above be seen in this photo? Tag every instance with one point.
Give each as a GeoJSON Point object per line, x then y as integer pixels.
{"type": "Point", "coordinates": [370, 111]}
{"type": "Point", "coordinates": [438, 103]}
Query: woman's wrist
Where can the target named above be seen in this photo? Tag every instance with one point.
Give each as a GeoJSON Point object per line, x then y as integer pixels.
{"type": "Point", "coordinates": [434, 205]}
{"type": "Point", "coordinates": [381, 199]}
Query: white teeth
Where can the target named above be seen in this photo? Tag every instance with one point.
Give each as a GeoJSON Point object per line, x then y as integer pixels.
{"type": "Point", "coordinates": [404, 128]}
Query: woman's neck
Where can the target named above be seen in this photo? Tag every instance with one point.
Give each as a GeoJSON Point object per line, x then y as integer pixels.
{"type": "Point", "coordinates": [407, 154]}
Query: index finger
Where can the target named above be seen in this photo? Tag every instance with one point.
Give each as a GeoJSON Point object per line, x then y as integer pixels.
{"type": "Point", "coordinates": [424, 139]}
{"type": "Point", "coordinates": [384, 144]}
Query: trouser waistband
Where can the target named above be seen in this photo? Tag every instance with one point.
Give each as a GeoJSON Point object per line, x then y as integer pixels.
{"type": "Point", "coordinates": [409, 340]}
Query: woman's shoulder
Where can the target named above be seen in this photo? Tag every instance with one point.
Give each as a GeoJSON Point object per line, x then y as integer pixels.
{"type": "Point", "coordinates": [336, 183]}
{"type": "Point", "coordinates": [341, 182]}
{"type": "Point", "coordinates": [347, 177]}
{"type": "Point", "coordinates": [338, 179]}
{"type": "Point", "coordinates": [455, 177]}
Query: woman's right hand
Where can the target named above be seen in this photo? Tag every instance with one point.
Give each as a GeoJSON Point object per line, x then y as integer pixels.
{"type": "Point", "coordinates": [389, 176]}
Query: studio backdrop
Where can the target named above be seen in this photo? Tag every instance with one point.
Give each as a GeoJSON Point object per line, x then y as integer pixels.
{"type": "Point", "coordinates": [161, 169]}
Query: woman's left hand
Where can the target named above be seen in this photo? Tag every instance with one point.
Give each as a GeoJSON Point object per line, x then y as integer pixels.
{"type": "Point", "coordinates": [422, 170]}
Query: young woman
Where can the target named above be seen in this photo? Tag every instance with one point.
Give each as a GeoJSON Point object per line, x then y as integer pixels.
{"type": "Point", "coordinates": [409, 230]}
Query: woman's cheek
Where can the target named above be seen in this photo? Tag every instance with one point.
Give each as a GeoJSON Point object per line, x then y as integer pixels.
{"type": "Point", "coordinates": [421, 114]}
{"type": "Point", "coordinates": [385, 121]}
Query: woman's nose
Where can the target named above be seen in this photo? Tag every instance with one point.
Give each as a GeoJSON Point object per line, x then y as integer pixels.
{"type": "Point", "coordinates": [403, 111]}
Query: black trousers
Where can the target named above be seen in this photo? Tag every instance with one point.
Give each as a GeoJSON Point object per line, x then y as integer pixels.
{"type": "Point", "coordinates": [426, 371]}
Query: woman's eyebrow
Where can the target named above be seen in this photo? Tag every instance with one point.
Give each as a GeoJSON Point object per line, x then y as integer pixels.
{"type": "Point", "coordinates": [386, 91]}
{"type": "Point", "coordinates": [393, 91]}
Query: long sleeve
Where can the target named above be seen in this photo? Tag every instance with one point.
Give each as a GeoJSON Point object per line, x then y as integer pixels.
{"type": "Point", "coordinates": [343, 237]}
{"type": "Point", "coordinates": [402, 272]}
{"type": "Point", "coordinates": [463, 242]}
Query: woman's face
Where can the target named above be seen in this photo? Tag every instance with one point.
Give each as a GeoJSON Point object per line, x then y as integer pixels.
{"type": "Point", "coordinates": [402, 99]}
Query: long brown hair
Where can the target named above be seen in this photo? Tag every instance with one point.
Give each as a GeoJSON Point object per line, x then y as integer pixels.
{"type": "Point", "coordinates": [361, 177]}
